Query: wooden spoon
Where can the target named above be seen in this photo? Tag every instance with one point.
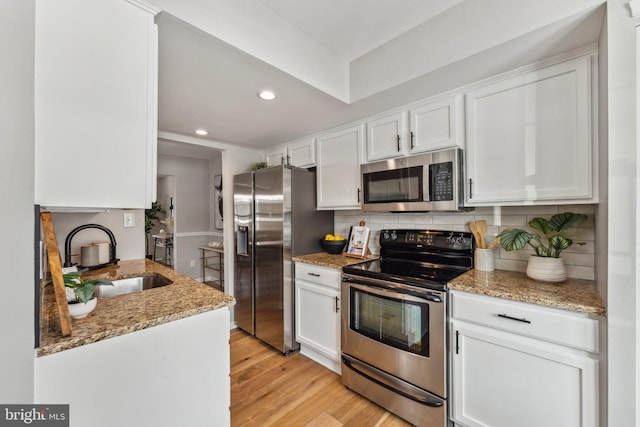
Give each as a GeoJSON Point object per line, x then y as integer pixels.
{"type": "Point", "coordinates": [494, 243]}
{"type": "Point", "coordinates": [481, 227]}
{"type": "Point", "coordinates": [474, 230]}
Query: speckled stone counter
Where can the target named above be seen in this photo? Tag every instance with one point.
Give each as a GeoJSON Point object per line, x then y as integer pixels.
{"type": "Point", "coordinates": [324, 259]}
{"type": "Point", "coordinates": [123, 314]}
{"type": "Point", "coordinates": [574, 295]}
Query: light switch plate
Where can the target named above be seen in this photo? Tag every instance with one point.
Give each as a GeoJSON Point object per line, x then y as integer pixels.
{"type": "Point", "coordinates": [129, 219]}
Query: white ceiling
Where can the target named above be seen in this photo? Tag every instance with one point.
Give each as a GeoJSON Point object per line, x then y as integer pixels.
{"type": "Point", "coordinates": [354, 27]}
{"type": "Point", "coordinates": [207, 83]}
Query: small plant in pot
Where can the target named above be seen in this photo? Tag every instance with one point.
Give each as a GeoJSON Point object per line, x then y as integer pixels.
{"type": "Point", "coordinates": [80, 293]}
{"type": "Point", "coordinates": [546, 265]}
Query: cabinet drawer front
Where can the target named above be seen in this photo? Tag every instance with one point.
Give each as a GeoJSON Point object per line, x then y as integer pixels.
{"type": "Point", "coordinates": [323, 276]}
{"type": "Point", "coordinates": [558, 326]}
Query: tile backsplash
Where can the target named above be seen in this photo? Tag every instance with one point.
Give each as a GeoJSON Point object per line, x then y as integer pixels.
{"type": "Point", "coordinates": [580, 260]}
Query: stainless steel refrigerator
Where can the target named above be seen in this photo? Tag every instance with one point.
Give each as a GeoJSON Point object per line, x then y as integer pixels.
{"type": "Point", "coordinates": [275, 218]}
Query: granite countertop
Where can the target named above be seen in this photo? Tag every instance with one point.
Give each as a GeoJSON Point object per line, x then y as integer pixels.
{"type": "Point", "coordinates": [324, 259]}
{"type": "Point", "coordinates": [123, 314]}
{"type": "Point", "coordinates": [574, 294]}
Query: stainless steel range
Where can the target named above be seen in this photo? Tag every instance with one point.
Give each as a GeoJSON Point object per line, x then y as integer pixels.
{"type": "Point", "coordinates": [394, 340]}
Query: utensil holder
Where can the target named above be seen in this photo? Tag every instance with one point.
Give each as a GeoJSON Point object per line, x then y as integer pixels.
{"type": "Point", "coordinates": [484, 260]}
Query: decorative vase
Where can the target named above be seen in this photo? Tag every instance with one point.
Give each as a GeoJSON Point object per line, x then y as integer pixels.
{"type": "Point", "coordinates": [80, 310]}
{"type": "Point", "coordinates": [546, 269]}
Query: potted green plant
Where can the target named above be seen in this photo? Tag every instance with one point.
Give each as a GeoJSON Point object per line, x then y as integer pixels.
{"type": "Point", "coordinates": [150, 216]}
{"type": "Point", "coordinates": [546, 265]}
{"type": "Point", "coordinates": [80, 293]}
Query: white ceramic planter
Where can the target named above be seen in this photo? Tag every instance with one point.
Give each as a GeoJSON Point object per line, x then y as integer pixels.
{"type": "Point", "coordinates": [80, 310]}
{"type": "Point", "coordinates": [546, 269]}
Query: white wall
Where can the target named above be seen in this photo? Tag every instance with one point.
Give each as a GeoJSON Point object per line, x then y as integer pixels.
{"type": "Point", "coordinates": [622, 188]}
{"type": "Point", "coordinates": [129, 240]}
{"type": "Point", "coordinates": [191, 209]}
{"type": "Point", "coordinates": [17, 189]}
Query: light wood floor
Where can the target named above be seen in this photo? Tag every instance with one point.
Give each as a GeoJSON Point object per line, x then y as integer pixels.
{"type": "Point", "coordinates": [269, 389]}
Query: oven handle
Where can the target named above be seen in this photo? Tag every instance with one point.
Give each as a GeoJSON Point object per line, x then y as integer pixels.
{"type": "Point", "coordinates": [396, 385]}
{"type": "Point", "coordinates": [399, 291]}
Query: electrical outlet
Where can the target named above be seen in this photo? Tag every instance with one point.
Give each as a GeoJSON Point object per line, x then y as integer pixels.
{"type": "Point", "coordinates": [129, 219]}
{"type": "Point", "coordinates": [193, 263]}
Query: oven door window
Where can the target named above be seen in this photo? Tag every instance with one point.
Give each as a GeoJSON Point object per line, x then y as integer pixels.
{"type": "Point", "coordinates": [396, 185]}
{"type": "Point", "coordinates": [394, 322]}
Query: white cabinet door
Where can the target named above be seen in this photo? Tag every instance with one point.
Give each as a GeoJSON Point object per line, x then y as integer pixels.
{"type": "Point", "coordinates": [302, 154]}
{"type": "Point", "coordinates": [501, 379]}
{"type": "Point", "coordinates": [529, 138]}
{"type": "Point", "coordinates": [338, 169]}
{"type": "Point", "coordinates": [318, 314]}
{"type": "Point", "coordinates": [276, 157]}
{"type": "Point", "coordinates": [95, 104]}
{"type": "Point", "coordinates": [386, 136]}
{"type": "Point", "coordinates": [317, 309]}
{"type": "Point", "coordinates": [436, 125]}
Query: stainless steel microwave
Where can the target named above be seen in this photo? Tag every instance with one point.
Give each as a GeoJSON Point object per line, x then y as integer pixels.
{"type": "Point", "coordinates": [424, 182]}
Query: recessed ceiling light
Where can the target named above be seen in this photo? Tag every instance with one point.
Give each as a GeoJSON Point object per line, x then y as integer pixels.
{"type": "Point", "coordinates": [202, 132]}
{"type": "Point", "coordinates": [267, 95]}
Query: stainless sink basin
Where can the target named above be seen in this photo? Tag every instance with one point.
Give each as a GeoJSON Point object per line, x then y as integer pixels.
{"type": "Point", "coordinates": [132, 284]}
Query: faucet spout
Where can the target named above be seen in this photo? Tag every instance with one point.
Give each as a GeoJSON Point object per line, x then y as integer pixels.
{"type": "Point", "coordinates": [67, 243]}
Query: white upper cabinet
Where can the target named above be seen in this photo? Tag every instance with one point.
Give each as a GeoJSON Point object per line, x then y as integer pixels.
{"type": "Point", "coordinates": [95, 104]}
{"type": "Point", "coordinates": [436, 125]}
{"type": "Point", "coordinates": [386, 136]}
{"type": "Point", "coordinates": [530, 138]}
{"type": "Point", "coordinates": [301, 154]}
{"type": "Point", "coordinates": [338, 169]}
{"type": "Point", "coordinates": [276, 156]}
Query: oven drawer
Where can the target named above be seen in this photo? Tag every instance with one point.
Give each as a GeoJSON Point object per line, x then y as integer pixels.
{"type": "Point", "coordinates": [558, 326]}
{"type": "Point", "coordinates": [329, 277]}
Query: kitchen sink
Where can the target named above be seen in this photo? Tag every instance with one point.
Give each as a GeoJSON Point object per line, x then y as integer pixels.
{"type": "Point", "coordinates": [131, 284]}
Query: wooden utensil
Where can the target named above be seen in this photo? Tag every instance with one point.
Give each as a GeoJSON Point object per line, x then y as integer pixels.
{"type": "Point", "coordinates": [474, 230]}
{"type": "Point", "coordinates": [481, 227]}
{"type": "Point", "coordinates": [55, 267]}
{"type": "Point", "coordinates": [494, 243]}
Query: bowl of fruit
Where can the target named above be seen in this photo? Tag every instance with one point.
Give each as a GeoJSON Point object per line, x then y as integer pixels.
{"type": "Point", "coordinates": [334, 244]}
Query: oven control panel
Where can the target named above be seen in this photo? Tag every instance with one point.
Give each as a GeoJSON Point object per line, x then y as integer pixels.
{"type": "Point", "coordinates": [434, 238]}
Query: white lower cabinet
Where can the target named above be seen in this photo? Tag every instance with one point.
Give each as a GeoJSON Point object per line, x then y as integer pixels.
{"type": "Point", "coordinates": [509, 370]}
{"type": "Point", "coordinates": [318, 314]}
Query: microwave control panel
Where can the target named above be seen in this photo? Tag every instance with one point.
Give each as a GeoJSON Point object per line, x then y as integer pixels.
{"type": "Point", "coordinates": [441, 181]}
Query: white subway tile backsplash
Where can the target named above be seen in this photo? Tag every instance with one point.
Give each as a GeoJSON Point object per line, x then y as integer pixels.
{"type": "Point", "coordinates": [580, 260]}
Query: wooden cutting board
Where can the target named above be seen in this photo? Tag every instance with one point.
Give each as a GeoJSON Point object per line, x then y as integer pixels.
{"type": "Point", "coordinates": [55, 267]}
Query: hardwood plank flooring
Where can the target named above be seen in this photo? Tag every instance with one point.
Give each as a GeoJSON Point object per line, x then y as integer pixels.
{"type": "Point", "coordinates": [269, 389]}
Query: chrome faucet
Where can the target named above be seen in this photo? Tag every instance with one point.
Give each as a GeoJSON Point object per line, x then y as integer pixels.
{"type": "Point", "coordinates": [112, 247]}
